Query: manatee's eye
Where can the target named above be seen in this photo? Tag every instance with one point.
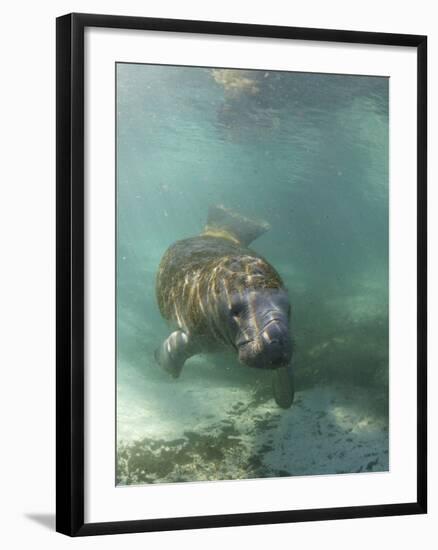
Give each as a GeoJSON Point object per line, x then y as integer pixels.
{"type": "Point", "coordinates": [236, 309]}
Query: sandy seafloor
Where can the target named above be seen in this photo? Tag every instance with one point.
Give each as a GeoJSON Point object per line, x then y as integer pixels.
{"type": "Point", "coordinates": [206, 426]}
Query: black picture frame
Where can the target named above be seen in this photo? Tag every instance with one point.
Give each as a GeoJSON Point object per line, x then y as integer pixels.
{"type": "Point", "coordinates": [70, 273]}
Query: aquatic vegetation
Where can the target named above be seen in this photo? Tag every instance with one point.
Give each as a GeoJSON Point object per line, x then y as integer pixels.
{"type": "Point", "coordinates": [195, 456]}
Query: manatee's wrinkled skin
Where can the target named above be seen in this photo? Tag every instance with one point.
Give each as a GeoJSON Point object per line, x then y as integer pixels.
{"type": "Point", "coordinates": [217, 293]}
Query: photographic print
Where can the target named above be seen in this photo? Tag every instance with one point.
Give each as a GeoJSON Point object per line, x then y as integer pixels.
{"type": "Point", "coordinates": [252, 274]}
{"type": "Point", "coordinates": [241, 274]}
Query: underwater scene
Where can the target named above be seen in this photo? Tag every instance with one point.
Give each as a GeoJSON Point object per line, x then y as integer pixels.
{"type": "Point", "coordinates": [252, 274]}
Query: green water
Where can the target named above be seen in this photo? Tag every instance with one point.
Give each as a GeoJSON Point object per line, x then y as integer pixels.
{"type": "Point", "coordinates": [309, 154]}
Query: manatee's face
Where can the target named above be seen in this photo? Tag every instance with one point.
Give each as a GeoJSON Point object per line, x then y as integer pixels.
{"type": "Point", "coordinates": [260, 319]}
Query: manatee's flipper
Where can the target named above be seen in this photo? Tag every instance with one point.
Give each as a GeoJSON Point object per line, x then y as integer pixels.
{"type": "Point", "coordinates": [173, 353]}
{"type": "Point", "coordinates": [283, 386]}
{"type": "Point", "coordinates": [226, 223]}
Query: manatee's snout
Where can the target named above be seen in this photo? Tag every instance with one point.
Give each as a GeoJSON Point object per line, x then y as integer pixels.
{"type": "Point", "coordinates": [270, 349]}
{"type": "Point", "coordinates": [264, 339]}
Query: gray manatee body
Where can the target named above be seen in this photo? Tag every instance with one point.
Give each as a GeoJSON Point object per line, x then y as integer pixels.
{"type": "Point", "coordinates": [218, 293]}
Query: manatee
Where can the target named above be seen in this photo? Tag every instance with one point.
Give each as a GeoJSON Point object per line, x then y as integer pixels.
{"type": "Point", "coordinates": [219, 293]}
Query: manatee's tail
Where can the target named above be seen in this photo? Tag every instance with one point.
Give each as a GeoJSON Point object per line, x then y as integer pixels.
{"type": "Point", "coordinates": [226, 223]}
